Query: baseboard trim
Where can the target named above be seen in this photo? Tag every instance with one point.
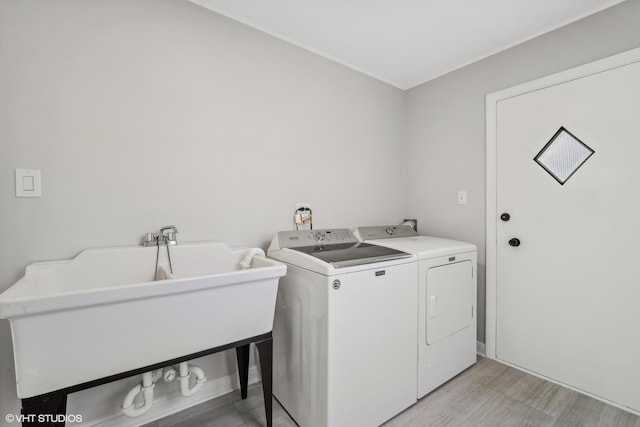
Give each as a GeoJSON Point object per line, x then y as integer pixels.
{"type": "Point", "coordinates": [480, 349]}
{"type": "Point", "coordinates": [170, 403]}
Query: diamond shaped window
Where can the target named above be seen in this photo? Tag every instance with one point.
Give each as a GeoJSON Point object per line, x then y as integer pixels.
{"type": "Point", "coordinates": [563, 155]}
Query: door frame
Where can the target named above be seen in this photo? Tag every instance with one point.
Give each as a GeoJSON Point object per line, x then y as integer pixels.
{"type": "Point", "coordinates": [492, 99]}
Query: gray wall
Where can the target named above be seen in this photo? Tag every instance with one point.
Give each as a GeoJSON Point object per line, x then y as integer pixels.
{"type": "Point", "coordinates": [144, 113]}
{"type": "Point", "coordinates": [446, 122]}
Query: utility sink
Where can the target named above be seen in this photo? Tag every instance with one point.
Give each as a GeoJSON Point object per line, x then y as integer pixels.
{"type": "Point", "coordinates": [103, 313]}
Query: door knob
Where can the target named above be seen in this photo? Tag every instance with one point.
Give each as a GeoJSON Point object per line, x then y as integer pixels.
{"type": "Point", "coordinates": [514, 242]}
{"type": "Point", "coordinates": [505, 217]}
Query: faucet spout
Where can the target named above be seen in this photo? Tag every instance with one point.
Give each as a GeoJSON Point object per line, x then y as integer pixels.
{"type": "Point", "coordinates": [168, 235]}
{"type": "Point", "coordinates": [168, 227]}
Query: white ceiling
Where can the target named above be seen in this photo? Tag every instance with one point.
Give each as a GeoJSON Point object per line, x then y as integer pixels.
{"type": "Point", "coordinates": [406, 42]}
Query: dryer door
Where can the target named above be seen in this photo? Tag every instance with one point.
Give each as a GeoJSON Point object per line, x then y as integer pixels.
{"type": "Point", "coordinates": [449, 300]}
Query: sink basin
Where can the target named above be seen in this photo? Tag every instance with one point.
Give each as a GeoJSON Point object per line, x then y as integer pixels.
{"type": "Point", "coordinates": [102, 313]}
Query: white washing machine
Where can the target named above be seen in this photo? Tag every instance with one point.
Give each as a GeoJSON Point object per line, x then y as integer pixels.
{"type": "Point", "coordinates": [446, 300]}
{"type": "Point", "coordinates": [344, 332]}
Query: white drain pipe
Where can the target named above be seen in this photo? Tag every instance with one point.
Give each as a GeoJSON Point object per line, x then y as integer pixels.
{"type": "Point", "coordinates": [146, 387]}
{"type": "Point", "coordinates": [185, 373]}
{"type": "Point", "coordinates": [149, 380]}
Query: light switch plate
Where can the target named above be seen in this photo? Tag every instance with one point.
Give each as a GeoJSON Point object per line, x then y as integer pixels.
{"type": "Point", "coordinates": [462, 197]}
{"type": "Point", "coordinates": [28, 183]}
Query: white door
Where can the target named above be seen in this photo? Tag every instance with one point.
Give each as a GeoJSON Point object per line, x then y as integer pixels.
{"type": "Point", "coordinates": [568, 296]}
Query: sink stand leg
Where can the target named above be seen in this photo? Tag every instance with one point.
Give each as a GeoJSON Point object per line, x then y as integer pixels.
{"type": "Point", "coordinates": [265, 350]}
{"type": "Point", "coordinates": [44, 411]}
{"type": "Point", "coordinates": [242, 355]}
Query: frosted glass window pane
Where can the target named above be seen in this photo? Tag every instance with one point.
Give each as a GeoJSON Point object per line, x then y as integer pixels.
{"type": "Point", "coordinates": [563, 155]}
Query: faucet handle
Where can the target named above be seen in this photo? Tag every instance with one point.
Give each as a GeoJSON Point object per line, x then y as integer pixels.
{"type": "Point", "coordinates": [150, 239]}
{"type": "Point", "coordinates": [171, 238]}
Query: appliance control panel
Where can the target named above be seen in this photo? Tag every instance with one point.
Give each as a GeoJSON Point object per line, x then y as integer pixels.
{"type": "Point", "coordinates": [385, 232]}
{"type": "Point", "coordinates": [300, 238]}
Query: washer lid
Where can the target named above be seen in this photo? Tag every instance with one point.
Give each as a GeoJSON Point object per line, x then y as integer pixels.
{"type": "Point", "coordinates": [350, 254]}
{"type": "Point", "coordinates": [404, 238]}
{"type": "Point", "coordinates": [427, 247]}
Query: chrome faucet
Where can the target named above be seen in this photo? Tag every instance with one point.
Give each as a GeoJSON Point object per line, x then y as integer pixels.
{"type": "Point", "coordinates": [165, 237]}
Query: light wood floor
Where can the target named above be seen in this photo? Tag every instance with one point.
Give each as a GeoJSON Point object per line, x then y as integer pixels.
{"type": "Point", "coordinates": [488, 394]}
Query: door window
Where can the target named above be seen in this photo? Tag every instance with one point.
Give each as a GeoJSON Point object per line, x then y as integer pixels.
{"type": "Point", "coordinates": [563, 155]}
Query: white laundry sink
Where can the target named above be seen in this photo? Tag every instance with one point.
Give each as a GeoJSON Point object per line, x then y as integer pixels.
{"type": "Point", "coordinates": [102, 313]}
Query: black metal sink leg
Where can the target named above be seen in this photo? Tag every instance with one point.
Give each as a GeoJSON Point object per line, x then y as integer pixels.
{"type": "Point", "coordinates": [242, 355]}
{"type": "Point", "coordinates": [44, 410]}
{"type": "Point", "coordinates": [265, 350]}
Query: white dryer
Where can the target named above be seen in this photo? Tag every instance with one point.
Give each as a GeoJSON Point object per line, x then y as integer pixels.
{"type": "Point", "coordinates": [446, 300]}
{"type": "Point", "coordinates": [344, 332]}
